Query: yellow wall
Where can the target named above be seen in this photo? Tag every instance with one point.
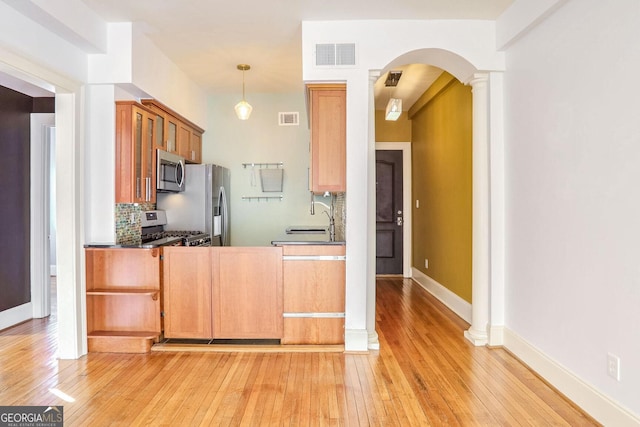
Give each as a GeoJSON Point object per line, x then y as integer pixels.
{"type": "Point", "coordinates": [393, 131]}
{"type": "Point", "coordinates": [441, 144]}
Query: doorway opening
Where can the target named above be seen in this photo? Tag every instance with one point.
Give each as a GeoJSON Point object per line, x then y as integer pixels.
{"type": "Point", "coordinates": [43, 221]}
{"type": "Point", "coordinates": [395, 228]}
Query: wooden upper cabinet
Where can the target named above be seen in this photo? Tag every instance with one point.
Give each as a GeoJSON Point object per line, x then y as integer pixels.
{"type": "Point", "coordinates": [327, 119]}
{"type": "Point", "coordinates": [135, 142]}
{"type": "Point", "coordinates": [180, 136]}
{"type": "Point", "coordinates": [195, 154]}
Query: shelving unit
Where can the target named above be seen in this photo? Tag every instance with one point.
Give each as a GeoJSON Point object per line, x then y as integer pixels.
{"type": "Point", "coordinates": [262, 165]}
{"type": "Point", "coordinates": [123, 304]}
{"type": "Point", "coordinates": [265, 198]}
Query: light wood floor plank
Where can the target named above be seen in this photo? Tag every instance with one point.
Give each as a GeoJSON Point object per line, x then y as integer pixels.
{"type": "Point", "coordinates": [425, 373]}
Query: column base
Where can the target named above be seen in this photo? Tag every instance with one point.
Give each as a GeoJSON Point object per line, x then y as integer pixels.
{"type": "Point", "coordinates": [478, 339]}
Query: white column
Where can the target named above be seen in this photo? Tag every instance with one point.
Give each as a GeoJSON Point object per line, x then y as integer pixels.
{"type": "Point", "coordinates": [480, 272]}
{"type": "Point", "coordinates": [373, 343]}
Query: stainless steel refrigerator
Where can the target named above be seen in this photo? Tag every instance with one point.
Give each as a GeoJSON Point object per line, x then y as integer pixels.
{"type": "Point", "coordinates": [203, 205]}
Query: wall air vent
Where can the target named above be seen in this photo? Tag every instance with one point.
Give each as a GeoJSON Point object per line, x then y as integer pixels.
{"type": "Point", "coordinates": [335, 54]}
{"type": "Point", "coordinates": [289, 119]}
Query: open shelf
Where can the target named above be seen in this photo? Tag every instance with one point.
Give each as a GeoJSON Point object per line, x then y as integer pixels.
{"type": "Point", "coordinates": [153, 293]}
{"type": "Point", "coordinates": [121, 341]}
{"type": "Point", "coordinates": [123, 299]}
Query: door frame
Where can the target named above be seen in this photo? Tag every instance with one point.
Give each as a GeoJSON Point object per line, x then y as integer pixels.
{"type": "Point", "coordinates": [41, 128]}
{"type": "Point", "coordinates": [405, 147]}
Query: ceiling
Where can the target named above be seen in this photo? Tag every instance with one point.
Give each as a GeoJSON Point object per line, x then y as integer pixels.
{"type": "Point", "coordinates": [208, 38]}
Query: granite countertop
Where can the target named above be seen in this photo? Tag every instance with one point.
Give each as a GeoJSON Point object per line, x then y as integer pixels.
{"type": "Point", "coordinates": [166, 241]}
{"type": "Point", "coordinates": [319, 236]}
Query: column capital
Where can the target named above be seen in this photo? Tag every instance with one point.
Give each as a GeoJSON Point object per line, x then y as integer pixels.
{"type": "Point", "coordinates": [374, 75]}
{"type": "Point", "coordinates": [477, 78]}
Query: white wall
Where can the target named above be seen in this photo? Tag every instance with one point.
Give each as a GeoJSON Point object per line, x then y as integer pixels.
{"type": "Point", "coordinates": [460, 47]}
{"type": "Point", "coordinates": [231, 142]}
{"type": "Point", "coordinates": [573, 206]}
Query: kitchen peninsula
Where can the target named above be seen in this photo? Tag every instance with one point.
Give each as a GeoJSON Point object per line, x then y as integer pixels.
{"type": "Point", "coordinates": [292, 291]}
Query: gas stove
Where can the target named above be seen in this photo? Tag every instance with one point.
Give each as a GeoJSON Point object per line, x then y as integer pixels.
{"type": "Point", "coordinates": [153, 223]}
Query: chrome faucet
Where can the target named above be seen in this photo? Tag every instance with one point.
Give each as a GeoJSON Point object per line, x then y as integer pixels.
{"type": "Point", "coordinates": [330, 213]}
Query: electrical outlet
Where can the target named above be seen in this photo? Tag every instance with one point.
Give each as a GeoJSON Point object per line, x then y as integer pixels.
{"type": "Point", "coordinates": [426, 263]}
{"type": "Point", "coordinates": [133, 218]}
{"type": "Point", "coordinates": [613, 366]}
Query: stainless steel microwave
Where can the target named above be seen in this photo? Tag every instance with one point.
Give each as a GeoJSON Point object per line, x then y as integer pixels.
{"type": "Point", "coordinates": [169, 172]}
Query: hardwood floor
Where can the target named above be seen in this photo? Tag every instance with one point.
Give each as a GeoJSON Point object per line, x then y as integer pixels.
{"type": "Point", "coordinates": [425, 373]}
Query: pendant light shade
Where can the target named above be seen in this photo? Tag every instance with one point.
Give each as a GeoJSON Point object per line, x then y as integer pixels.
{"type": "Point", "coordinates": [243, 108]}
{"type": "Point", "coordinates": [394, 109]}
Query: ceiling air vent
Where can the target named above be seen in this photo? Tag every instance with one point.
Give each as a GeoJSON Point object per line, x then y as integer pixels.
{"type": "Point", "coordinates": [289, 119]}
{"type": "Point", "coordinates": [336, 54]}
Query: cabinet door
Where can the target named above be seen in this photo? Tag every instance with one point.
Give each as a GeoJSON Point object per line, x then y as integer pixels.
{"type": "Point", "coordinates": [247, 292]}
{"type": "Point", "coordinates": [184, 141]}
{"type": "Point", "coordinates": [195, 155]}
{"type": "Point", "coordinates": [138, 149]}
{"type": "Point", "coordinates": [172, 134]}
{"type": "Point", "coordinates": [187, 292]}
{"type": "Point", "coordinates": [135, 166]}
{"type": "Point", "coordinates": [314, 294]}
{"type": "Point", "coordinates": [160, 137]}
{"type": "Point", "coordinates": [148, 158]}
{"type": "Point", "coordinates": [328, 138]}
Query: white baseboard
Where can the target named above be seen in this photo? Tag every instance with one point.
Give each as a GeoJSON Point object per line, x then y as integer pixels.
{"type": "Point", "coordinates": [456, 304]}
{"type": "Point", "coordinates": [496, 336]}
{"type": "Point", "coordinates": [587, 397]}
{"type": "Point", "coordinates": [356, 340]}
{"type": "Point", "coordinates": [15, 315]}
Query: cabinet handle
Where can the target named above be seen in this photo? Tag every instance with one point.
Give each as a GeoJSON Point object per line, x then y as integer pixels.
{"type": "Point", "coordinates": [315, 315]}
{"type": "Point", "coordinates": [148, 198]}
{"type": "Point", "coordinates": [314, 258]}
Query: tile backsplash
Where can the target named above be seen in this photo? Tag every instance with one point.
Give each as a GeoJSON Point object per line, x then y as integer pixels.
{"type": "Point", "coordinates": [340, 216]}
{"type": "Point", "coordinates": [128, 226]}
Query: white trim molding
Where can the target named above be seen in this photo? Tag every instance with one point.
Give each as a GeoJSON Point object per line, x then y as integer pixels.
{"type": "Point", "coordinates": [405, 147]}
{"type": "Point", "coordinates": [583, 394]}
{"type": "Point", "coordinates": [15, 315]}
{"type": "Point", "coordinates": [456, 304]}
{"type": "Point", "coordinates": [356, 340]}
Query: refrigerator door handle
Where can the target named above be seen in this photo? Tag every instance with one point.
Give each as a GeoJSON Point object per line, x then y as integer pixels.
{"type": "Point", "coordinates": [225, 217]}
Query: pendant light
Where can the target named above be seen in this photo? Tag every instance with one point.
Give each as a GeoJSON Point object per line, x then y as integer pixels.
{"type": "Point", "coordinates": [243, 108]}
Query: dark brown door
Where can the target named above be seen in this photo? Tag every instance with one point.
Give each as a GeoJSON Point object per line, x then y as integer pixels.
{"type": "Point", "coordinates": [389, 216]}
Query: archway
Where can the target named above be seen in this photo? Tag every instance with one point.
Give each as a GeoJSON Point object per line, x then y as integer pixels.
{"type": "Point", "coordinates": [467, 73]}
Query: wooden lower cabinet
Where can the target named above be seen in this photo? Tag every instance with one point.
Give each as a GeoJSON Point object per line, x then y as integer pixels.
{"type": "Point", "coordinates": [123, 299]}
{"type": "Point", "coordinates": [314, 294]}
{"type": "Point", "coordinates": [187, 292]}
{"type": "Point", "coordinates": [247, 292]}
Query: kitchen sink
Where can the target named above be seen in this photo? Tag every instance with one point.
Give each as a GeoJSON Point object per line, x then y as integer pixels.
{"type": "Point", "coordinates": [306, 230]}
